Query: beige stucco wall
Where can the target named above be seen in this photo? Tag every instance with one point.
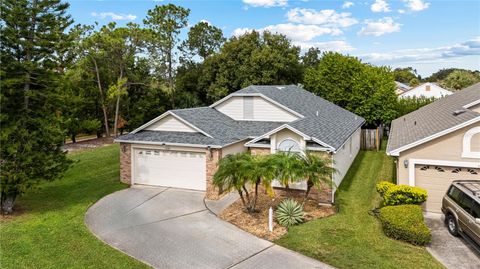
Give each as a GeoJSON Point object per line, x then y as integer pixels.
{"type": "Point", "coordinates": [170, 123]}
{"type": "Point", "coordinates": [448, 148]}
{"type": "Point", "coordinates": [234, 148]}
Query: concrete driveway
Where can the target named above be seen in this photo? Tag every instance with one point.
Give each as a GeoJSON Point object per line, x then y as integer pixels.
{"type": "Point", "coordinates": [172, 228]}
{"type": "Point", "coordinates": [453, 252]}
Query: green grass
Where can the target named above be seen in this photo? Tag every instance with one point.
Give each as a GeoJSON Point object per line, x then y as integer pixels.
{"type": "Point", "coordinates": [50, 231]}
{"type": "Point", "coordinates": [353, 238]}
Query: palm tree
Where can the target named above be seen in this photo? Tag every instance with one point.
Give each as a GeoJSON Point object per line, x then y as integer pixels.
{"type": "Point", "coordinates": [316, 170]}
{"type": "Point", "coordinates": [288, 167]}
{"type": "Point", "coordinates": [257, 170]}
{"type": "Point", "coordinates": [230, 177]}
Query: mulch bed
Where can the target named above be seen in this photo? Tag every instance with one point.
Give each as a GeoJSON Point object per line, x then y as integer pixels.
{"type": "Point", "coordinates": [88, 144]}
{"type": "Point", "coordinates": [257, 223]}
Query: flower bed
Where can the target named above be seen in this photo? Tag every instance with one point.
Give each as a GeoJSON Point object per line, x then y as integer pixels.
{"type": "Point", "coordinates": [257, 223]}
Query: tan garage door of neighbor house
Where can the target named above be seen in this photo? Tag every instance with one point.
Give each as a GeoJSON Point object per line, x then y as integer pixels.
{"type": "Point", "coordinates": [167, 168]}
{"type": "Point", "coordinates": [437, 179]}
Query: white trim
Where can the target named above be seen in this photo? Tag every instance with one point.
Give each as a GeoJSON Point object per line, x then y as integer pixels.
{"type": "Point", "coordinates": [467, 144]}
{"type": "Point", "coordinates": [166, 144]}
{"type": "Point", "coordinates": [229, 144]}
{"type": "Point", "coordinates": [413, 162]}
{"type": "Point", "coordinates": [319, 149]}
{"type": "Point", "coordinates": [397, 151]}
{"type": "Point", "coordinates": [474, 103]}
{"type": "Point", "coordinates": [259, 95]}
{"type": "Point", "coordinates": [175, 116]}
{"type": "Point", "coordinates": [258, 146]}
{"type": "Point", "coordinates": [304, 136]}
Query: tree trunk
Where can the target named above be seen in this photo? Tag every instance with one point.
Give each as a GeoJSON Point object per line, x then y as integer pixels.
{"type": "Point", "coordinates": [256, 195]}
{"type": "Point", "coordinates": [309, 187]}
{"type": "Point", "coordinates": [243, 199]}
{"type": "Point", "coordinates": [74, 140]}
{"type": "Point", "coordinates": [247, 195]}
{"type": "Point", "coordinates": [8, 202]}
{"type": "Point", "coordinates": [102, 99]}
{"type": "Point", "coordinates": [170, 76]}
{"type": "Point", "coordinates": [117, 107]}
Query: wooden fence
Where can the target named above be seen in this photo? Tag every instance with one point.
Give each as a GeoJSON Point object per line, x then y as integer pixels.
{"type": "Point", "coordinates": [371, 139]}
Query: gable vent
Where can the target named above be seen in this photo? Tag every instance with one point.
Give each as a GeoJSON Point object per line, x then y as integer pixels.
{"type": "Point", "coordinates": [458, 112]}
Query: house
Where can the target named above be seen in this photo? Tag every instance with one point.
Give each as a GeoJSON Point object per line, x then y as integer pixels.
{"type": "Point", "coordinates": [438, 143]}
{"type": "Point", "coordinates": [181, 148]}
{"type": "Point", "coordinates": [401, 87]}
{"type": "Point", "coordinates": [427, 90]}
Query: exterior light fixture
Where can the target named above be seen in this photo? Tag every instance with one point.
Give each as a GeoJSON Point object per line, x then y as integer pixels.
{"type": "Point", "coordinates": [405, 163]}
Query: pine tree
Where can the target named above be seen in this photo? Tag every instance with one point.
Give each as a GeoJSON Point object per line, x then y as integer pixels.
{"type": "Point", "coordinates": [33, 40]}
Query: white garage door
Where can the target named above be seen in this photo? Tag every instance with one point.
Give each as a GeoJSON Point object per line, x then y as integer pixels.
{"type": "Point", "coordinates": [437, 179]}
{"type": "Point", "coordinates": [178, 169]}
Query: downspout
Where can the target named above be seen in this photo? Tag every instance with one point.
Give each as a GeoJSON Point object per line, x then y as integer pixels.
{"type": "Point", "coordinates": [333, 181]}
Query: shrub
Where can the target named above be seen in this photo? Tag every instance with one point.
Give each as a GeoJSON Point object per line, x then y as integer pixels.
{"type": "Point", "coordinates": [403, 195]}
{"type": "Point", "coordinates": [383, 186]}
{"type": "Point", "coordinates": [405, 222]}
{"type": "Point", "coordinates": [289, 212]}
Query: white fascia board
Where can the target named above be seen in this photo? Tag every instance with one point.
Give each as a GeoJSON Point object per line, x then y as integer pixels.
{"type": "Point", "coordinates": [259, 95]}
{"type": "Point", "coordinates": [396, 152]}
{"type": "Point", "coordinates": [166, 144]}
{"type": "Point", "coordinates": [151, 122]}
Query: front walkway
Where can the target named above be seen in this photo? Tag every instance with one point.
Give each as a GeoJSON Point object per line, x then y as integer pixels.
{"type": "Point", "coordinates": [172, 228]}
{"type": "Point", "coordinates": [453, 252]}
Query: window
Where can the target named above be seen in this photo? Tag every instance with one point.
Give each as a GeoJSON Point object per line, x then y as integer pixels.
{"type": "Point", "coordinates": [465, 202]}
{"type": "Point", "coordinates": [289, 145]}
{"type": "Point", "coordinates": [454, 193]}
{"type": "Point", "coordinates": [439, 169]}
{"type": "Point", "coordinates": [148, 152]}
{"type": "Point", "coordinates": [469, 151]}
{"type": "Point", "coordinates": [424, 168]}
{"type": "Point", "coordinates": [156, 152]}
{"type": "Point", "coordinates": [472, 171]}
{"type": "Point", "coordinates": [456, 170]}
{"type": "Point", "coordinates": [476, 210]}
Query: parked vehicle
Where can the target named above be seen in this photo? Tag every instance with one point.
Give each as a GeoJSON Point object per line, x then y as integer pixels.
{"type": "Point", "coordinates": [461, 206]}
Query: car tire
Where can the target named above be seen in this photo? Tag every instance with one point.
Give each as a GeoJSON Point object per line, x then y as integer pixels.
{"type": "Point", "coordinates": [452, 224]}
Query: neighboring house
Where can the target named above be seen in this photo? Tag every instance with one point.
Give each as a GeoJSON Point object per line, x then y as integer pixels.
{"type": "Point", "coordinates": [438, 143]}
{"type": "Point", "coordinates": [427, 90]}
{"type": "Point", "coordinates": [181, 148]}
{"type": "Point", "coordinates": [401, 88]}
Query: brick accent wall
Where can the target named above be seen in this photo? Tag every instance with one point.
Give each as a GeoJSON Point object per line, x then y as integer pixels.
{"type": "Point", "coordinates": [212, 166]}
{"type": "Point", "coordinates": [259, 151]}
{"type": "Point", "coordinates": [126, 163]}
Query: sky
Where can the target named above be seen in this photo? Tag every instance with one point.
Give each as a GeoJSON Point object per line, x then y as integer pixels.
{"type": "Point", "coordinates": [425, 34]}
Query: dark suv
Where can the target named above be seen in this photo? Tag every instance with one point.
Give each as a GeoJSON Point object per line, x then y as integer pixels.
{"type": "Point", "coordinates": [461, 206]}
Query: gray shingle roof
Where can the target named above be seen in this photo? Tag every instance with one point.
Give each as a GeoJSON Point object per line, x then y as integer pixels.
{"type": "Point", "coordinates": [322, 120]}
{"type": "Point", "coordinates": [222, 128]}
{"type": "Point", "coordinates": [433, 118]}
{"type": "Point", "coordinates": [333, 125]}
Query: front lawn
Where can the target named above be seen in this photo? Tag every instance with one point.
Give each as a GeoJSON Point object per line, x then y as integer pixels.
{"type": "Point", "coordinates": [49, 231]}
{"type": "Point", "coordinates": [353, 238]}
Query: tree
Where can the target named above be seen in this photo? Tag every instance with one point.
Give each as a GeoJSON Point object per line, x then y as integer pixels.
{"type": "Point", "coordinates": [405, 75]}
{"type": "Point", "coordinates": [253, 58]}
{"type": "Point", "coordinates": [32, 36]}
{"type": "Point", "coordinates": [164, 23]}
{"type": "Point", "coordinates": [317, 170]}
{"type": "Point", "coordinates": [229, 177]}
{"type": "Point", "coordinates": [460, 79]}
{"type": "Point", "coordinates": [414, 82]}
{"type": "Point", "coordinates": [409, 104]}
{"type": "Point", "coordinates": [288, 167]}
{"type": "Point", "coordinates": [203, 40]}
{"type": "Point", "coordinates": [311, 57]}
{"type": "Point", "coordinates": [366, 90]}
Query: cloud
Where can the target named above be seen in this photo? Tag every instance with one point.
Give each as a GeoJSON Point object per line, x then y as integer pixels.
{"type": "Point", "coordinates": [338, 46]}
{"type": "Point", "coordinates": [401, 11]}
{"type": "Point", "coordinates": [347, 4]}
{"type": "Point", "coordinates": [114, 16]}
{"type": "Point", "coordinates": [265, 3]}
{"type": "Point", "coordinates": [380, 6]}
{"type": "Point", "coordinates": [466, 48]}
{"type": "Point", "coordinates": [296, 32]}
{"type": "Point", "coordinates": [416, 5]}
{"type": "Point", "coordinates": [380, 27]}
{"type": "Point", "coordinates": [326, 17]}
